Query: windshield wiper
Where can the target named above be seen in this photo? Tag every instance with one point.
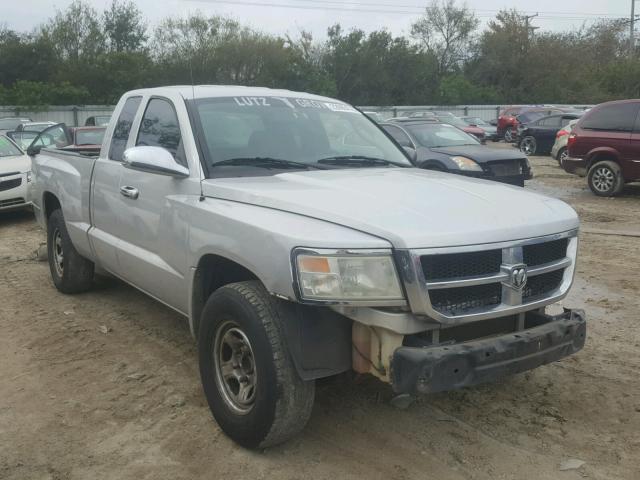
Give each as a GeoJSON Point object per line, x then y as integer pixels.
{"type": "Point", "coordinates": [358, 160]}
{"type": "Point", "coordinates": [264, 162]}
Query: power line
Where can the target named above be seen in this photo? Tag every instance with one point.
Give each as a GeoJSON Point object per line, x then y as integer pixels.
{"type": "Point", "coordinates": [343, 6]}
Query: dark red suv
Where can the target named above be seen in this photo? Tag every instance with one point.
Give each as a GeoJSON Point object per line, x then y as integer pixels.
{"type": "Point", "coordinates": [605, 146]}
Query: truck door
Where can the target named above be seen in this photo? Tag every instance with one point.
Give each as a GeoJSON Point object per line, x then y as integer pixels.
{"type": "Point", "coordinates": [107, 202]}
{"type": "Point", "coordinates": [153, 222]}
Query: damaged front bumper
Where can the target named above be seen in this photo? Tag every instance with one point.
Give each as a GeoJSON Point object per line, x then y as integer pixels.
{"type": "Point", "coordinates": [435, 368]}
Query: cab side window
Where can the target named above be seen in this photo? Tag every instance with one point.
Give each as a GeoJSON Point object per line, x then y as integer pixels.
{"type": "Point", "coordinates": [160, 128]}
{"type": "Point", "coordinates": [123, 127]}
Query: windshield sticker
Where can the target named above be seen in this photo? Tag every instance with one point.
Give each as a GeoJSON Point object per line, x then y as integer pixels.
{"type": "Point", "coordinates": [293, 103]}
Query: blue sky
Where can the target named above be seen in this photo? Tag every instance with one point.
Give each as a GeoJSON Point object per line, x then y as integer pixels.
{"type": "Point", "coordinates": [26, 14]}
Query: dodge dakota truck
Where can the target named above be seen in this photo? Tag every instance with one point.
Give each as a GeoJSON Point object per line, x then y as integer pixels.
{"type": "Point", "coordinates": [300, 243]}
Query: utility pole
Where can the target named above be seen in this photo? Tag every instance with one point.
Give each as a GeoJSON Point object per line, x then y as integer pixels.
{"type": "Point", "coordinates": [528, 28]}
{"type": "Point", "coordinates": [632, 40]}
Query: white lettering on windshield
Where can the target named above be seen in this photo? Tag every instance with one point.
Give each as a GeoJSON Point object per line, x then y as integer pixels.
{"type": "Point", "coordinates": [252, 101]}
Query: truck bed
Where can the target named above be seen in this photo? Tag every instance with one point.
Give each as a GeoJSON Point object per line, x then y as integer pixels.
{"type": "Point", "coordinates": [67, 175]}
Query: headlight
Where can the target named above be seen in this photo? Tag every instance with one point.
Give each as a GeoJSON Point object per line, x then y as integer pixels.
{"type": "Point", "coordinates": [466, 164]}
{"type": "Point", "coordinates": [348, 276]}
{"type": "Point", "coordinates": [29, 178]}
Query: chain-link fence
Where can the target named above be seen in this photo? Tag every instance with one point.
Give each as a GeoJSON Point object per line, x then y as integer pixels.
{"type": "Point", "coordinates": [77, 115]}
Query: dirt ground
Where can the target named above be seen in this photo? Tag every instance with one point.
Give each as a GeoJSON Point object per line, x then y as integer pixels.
{"type": "Point", "coordinates": [105, 385]}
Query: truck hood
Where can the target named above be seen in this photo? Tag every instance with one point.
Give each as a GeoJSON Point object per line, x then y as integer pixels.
{"type": "Point", "coordinates": [481, 153]}
{"type": "Point", "coordinates": [409, 207]}
{"type": "Point", "coordinates": [15, 164]}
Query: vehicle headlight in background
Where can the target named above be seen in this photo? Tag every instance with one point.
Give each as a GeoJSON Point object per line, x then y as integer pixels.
{"type": "Point", "coordinates": [347, 277]}
{"type": "Point", "coordinates": [466, 164]}
{"type": "Point", "coordinates": [29, 177]}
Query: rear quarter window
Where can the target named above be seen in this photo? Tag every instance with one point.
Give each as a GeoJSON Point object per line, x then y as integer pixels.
{"type": "Point", "coordinates": [619, 117]}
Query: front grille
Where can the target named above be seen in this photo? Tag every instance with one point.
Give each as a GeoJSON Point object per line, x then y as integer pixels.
{"type": "Point", "coordinates": [506, 168]}
{"type": "Point", "coordinates": [9, 184]}
{"type": "Point", "coordinates": [541, 253]}
{"type": "Point", "coordinates": [541, 285]}
{"type": "Point", "coordinates": [483, 282]}
{"type": "Point", "coordinates": [456, 301]}
{"type": "Point", "coordinates": [11, 202]}
{"type": "Point", "coordinates": [453, 265]}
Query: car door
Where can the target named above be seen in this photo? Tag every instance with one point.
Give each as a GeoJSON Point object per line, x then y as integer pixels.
{"type": "Point", "coordinates": [633, 170]}
{"type": "Point", "coordinates": [106, 201]}
{"type": "Point", "coordinates": [154, 223]}
{"type": "Point", "coordinates": [546, 132]}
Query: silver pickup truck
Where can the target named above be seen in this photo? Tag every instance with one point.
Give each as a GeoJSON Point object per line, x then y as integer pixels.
{"type": "Point", "coordinates": [300, 242]}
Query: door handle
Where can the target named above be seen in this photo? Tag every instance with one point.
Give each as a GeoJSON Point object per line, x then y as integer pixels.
{"type": "Point", "coordinates": [129, 192]}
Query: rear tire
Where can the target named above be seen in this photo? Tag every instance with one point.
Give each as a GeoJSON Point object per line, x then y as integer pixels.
{"type": "Point", "coordinates": [605, 179]}
{"type": "Point", "coordinates": [562, 154]}
{"type": "Point", "coordinates": [70, 271]}
{"type": "Point", "coordinates": [528, 145]}
{"type": "Point", "coordinates": [249, 380]}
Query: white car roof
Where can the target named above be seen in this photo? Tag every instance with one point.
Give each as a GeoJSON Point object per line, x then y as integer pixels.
{"type": "Point", "coordinates": [209, 91]}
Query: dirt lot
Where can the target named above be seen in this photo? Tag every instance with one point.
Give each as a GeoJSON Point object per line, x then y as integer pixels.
{"type": "Point", "coordinates": [79, 403]}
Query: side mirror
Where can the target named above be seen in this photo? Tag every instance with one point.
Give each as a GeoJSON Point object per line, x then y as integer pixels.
{"type": "Point", "coordinates": [413, 155]}
{"type": "Point", "coordinates": [153, 160]}
{"type": "Point", "coordinates": [33, 150]}
{"type": "Point", "coordinates": [493, 122]}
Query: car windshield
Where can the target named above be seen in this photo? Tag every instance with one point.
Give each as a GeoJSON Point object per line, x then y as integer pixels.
{"type": "Point", "coordinates": [440, 135]}
{"type": "Point", "coordinates": [291, 129]}
{"type": "Point", "coordinates": [7, 148]}
{"type": "Point", "coordinates": [91, 136]}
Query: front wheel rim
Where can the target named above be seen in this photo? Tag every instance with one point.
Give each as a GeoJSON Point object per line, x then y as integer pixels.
{"type": "Point", "coordinates": [603, 179]}
{"type": "Point", "coordinates": [234, 366]}
{"type": "Point", "coordinates": [563, 156]}
{"type": "Point", "coordinates": [507, 135]}
{"type": "Point", "coordinates": [58, 253]}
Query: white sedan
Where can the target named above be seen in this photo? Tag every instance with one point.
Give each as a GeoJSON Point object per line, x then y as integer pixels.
{"type": "Point", "coordinates": [15, 176]}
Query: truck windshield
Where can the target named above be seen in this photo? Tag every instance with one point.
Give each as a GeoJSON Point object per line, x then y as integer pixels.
{"type": "Point", "coordinates": [292, 129]}
{"type": "Point", "coordinates": [7, 148]}
{"type": "Point", "coordinates": [440, 135]}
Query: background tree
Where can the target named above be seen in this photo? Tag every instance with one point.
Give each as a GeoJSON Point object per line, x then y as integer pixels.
{"type": "Point", "coordinates": [445, 31]}
{"type": "Point", "coordinates": [124, 27]}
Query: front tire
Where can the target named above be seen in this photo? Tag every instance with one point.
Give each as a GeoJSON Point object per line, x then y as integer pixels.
{"type": "Point", "coordinates": [605, 179]}
{"type": "Point", "coordinates": [508, 135]}
{"type": "Point", "coordinates": [70, 271]}
{"type": "Point", "coordinates": [249, 380]}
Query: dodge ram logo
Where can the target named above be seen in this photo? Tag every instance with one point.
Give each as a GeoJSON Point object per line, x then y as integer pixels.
{"type": "Point", "coordinates": [518, 276]}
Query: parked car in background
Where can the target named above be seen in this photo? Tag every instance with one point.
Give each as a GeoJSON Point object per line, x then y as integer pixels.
{"type": "Point", "coordinates": [559, 149]}
{"type": "Point", "coordinates": [538, 136]}
{"type": "Point", "coordinates": [604, 145]}
{"type": "Point", "coordinates": [86, 140]}
{"type": "Point", "coordinates": [490, 131]}
{"type": "Point", "coordinates": [34, 126]}
{"type": "Point", "coordinates": [375, 116]}
{"type": "Point", "coordinates": [443, 147]}
{"type": "Point", "coordinates": [97, 121]}
{"type": "Point", "coordinates": [15, 176]}
{"type": "Point", "coordinates": [8, 124]}
{"type": "Point", "coordinates": [449, 119]}
{"type": "Point", "coordinates": [508, 122]}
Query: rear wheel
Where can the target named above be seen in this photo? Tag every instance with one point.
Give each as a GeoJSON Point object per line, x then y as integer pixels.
{"type": "Point", "coordinates": [605, 179]}
{"type": "Point", "coordinates": [70, 271]}
{"type": "Point", "coordinates": [528, 145]}
{"type": "Point", "coordinates": [508, 135]}
{"type": "Point", "coordinates": [251, 384]}
{"type": "Point", "coordinates": [562, 155]}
